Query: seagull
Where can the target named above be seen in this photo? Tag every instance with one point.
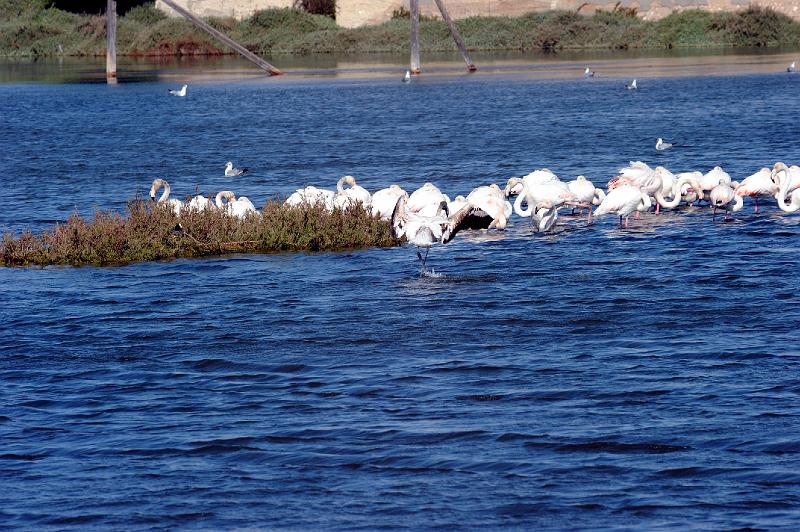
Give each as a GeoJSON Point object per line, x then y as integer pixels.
{"type": "Point", "coordinates": [176, 92]}
{"type": "Point", "coordinates": [791, 68]}
{"type": "Point", "coordinates": [230, 171]}
{"type": "Point", "coordinates": [631, 86]}
{"type": "Point", "coordinates": [407, 77]}
{"type": "Point", "coordinates": [661, 145]}
{"type": "Point", "coordinates": [588, 73]}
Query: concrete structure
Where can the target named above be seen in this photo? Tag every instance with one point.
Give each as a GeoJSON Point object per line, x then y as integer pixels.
{"type": "Point", "coordinates": [353, 13]}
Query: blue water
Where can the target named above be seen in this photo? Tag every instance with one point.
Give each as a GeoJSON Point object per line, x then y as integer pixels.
{"type": "Point", "coordinates": [592, 378]}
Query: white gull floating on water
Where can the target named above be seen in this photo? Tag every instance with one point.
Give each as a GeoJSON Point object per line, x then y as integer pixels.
{"type": "Point", "coordinates": [230, 171]}
{"type": "Point", "coordinates": [178, 92]}
{"type": "Point", "coordinates": [661, 145]}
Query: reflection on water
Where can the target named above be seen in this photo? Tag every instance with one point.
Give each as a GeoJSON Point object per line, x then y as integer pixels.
{"type": "Point", "coordinates": [566, 64]}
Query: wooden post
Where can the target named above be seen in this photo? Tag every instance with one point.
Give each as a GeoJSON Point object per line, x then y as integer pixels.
{"type": "Point", "coordinates": [244, 52]}
{"type": "Point", "coordinates": [456, 36]}
{"type": "Point", "coordinates": [111, 40]}
{"type": "Point", "coordinates": [414, 15]}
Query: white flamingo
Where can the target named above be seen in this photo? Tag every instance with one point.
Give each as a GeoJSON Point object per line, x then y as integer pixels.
{"type": "Point", "coordinates": [585, 193]}
{"type": "Point", "coordinates": [789, 174]}
{"type": "Point", "coordinates": [175, 204]}
{"type": "Point", "coordinates": [492, 201]}
{"type": "Point", "coordinates": [794, 199]}
{"type": "Point", "coordinates": [426, 200]}
{"type": "Point", "coordinates": [418, 229]}
{"type": "Point", "coordinates": [311, 196]}
{"type": "Point", "coordinates": [758, 185]}
{"type": "Point", "coordinates": [712, 178]}
{"type": "Point", "coordinates": [354, 195]}
{"type": "Point", "coordinates": [385, 200]}
{"type": "Point", "coordinates": [723, 196]}
{"type": "Point", "coordinates": [622, 201]}
{"type": "Point", "coordinates": [239, 208]}
{"type": "Point", "coordinates": [200, 203]}
{"type": "Point", "coordinates": [458, 203]}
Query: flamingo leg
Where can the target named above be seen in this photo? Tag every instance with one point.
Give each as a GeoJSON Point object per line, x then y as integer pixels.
{"type": "Point", "coordinates": [714, 214]}
{"type": "Point", "coordinates": [589, 218]}
{"type": "Point", "coordinates": [756, 209]}
{"type": "Point", "coordinates": [626, 218]}
{"type": "Point", "coordinates": [626, 221]}
{"type": "Point", "coordinates": [658, 207]}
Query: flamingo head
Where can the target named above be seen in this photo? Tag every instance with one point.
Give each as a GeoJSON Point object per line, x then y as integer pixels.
{"type": "Point", "coordinates": [513, 186]}
{"type": "Point", "coordinates": [157, 184]}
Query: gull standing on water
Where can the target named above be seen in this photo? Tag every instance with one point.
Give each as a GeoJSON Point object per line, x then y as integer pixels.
{"type": "Point", "coordinates": [661, 145]}
{"type": "Point", "coordinates": [588, 73]}
{"type": "Point", "coordinates": [230, 171]}
{"type": "Point", "coordinates": [791, 68]}
{"type": "Point", "coordinates": [631, 86]}
{"type": "Point", "coordinates": [407, 77]}
{"type": "Point", "coordinates": [176, 92]}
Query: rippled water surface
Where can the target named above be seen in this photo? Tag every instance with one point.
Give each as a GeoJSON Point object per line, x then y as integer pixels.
{"type": "Point", "coordinates": [591, 378]}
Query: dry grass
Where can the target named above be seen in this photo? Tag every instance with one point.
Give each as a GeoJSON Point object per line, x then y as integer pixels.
{"type": "Point", "coordinates": [153, 232]}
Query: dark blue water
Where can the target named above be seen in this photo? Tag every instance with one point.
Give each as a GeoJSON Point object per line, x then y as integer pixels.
{"type": "Point", "coordinates": [592, 378]}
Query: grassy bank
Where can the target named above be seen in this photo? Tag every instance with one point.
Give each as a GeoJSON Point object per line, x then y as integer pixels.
{"type": "Point", "coordinates": [30, 28]}
{"type": "Point", "coordinates": [151, 232]}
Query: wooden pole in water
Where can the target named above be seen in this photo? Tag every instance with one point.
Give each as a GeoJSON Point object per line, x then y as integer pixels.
{"type": "Point", "coordinates": [456, 35]}
{"type": "Point", "coordinates": [244, 52]}
{"type": "Point", "coordinates": [414, 15]}
{"type": "Point", "coordinates": [111, 40]}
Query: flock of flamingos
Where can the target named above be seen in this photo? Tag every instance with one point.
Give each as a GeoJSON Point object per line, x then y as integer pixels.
{"type": "Point", "coordinates": [427, 216]}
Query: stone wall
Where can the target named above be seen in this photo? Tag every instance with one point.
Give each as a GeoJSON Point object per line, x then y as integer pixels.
{"type": "Point", "coordinates": [353, 13]}
{"type": "Point", "coordinates": [224, 8]}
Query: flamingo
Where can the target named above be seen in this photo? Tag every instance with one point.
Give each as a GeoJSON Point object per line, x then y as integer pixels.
{"type": "Point", "coordinates": [544, 216]}
{"type": "Point", "coordinates": [385, 200]}
{"type": "Point", "coordinates": [794, 201]}
{"type": "Point", "coordinates": [712, 178]}
{"type": "Point", "coordinates": [425, 200]}
{"type": "Point", "coordinates": [407, 77]}
{"type": "Point", "coordinates": [458, 203]}
{"type": "Point", "coordinates": [200, 203]}
{"type": "Point", "coordinates": [311, 196]}
{"type": "Point", "coordinates": [588, 73]}
{"type": "Point", "coordinates": [175, 204]}
{"type": "Point", "coordinates": [721, 197]}
{"type": "Point", "coordinates": [631, 86]}
{"type": "Point", "coordinates": [640, 175]}
{"type": "Point", "coordinates": [490, 203]}
{"type": "Point", "coordinates": [757, 185]}
{"type": "Point", "coordinates": [351, 196]}
{"type": "Point", "coordinates": [622, 201]}
{"type": "Point", "coordinates": [513, 186]}
{"type": "Point", "coordinates": [791, 68]}
{"type": "Point", "coordinates": [424, 230]}
{"type": "Point", "coordinates": [239, 208]}
{"type": "Point", "coordinates": [584, 192]}
{"type": "Point", "coordinates": [790, 174]}
{"type": "Point", "coordinates": [230, 171]}
{"type": "Point", "coordinates": [544, 199]}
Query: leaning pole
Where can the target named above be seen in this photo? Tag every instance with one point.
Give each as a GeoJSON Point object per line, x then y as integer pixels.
{"type": "Point", "coordinates": [241, 50]}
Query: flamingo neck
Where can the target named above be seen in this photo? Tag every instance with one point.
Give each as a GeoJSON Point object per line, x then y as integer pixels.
{"type": "Point", "coordinates": [523, 196]}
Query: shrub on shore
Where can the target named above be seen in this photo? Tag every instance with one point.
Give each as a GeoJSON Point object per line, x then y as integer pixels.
{"type": "Point", "coordinates": [31, 28]}
{"type": "Point", "coordinates": [153, 232]}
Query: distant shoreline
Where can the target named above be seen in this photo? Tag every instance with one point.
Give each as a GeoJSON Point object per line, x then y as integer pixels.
{"type": "Point", "coordinates": [28, 29]}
